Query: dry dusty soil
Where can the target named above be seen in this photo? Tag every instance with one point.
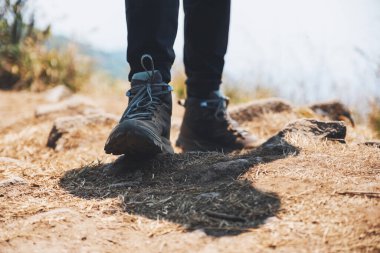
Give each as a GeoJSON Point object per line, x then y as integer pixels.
{"type": "Point", "coordinates": [296, 194]}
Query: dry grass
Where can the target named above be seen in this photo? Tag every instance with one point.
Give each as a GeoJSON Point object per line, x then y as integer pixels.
{"type": "Point", "coordinates": [374, 117]}
{"type": "Point", "coordinates": [76, 200]}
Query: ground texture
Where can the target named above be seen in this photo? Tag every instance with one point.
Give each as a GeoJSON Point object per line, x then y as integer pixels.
{"type": "Point", "coordinates": [295, 193]}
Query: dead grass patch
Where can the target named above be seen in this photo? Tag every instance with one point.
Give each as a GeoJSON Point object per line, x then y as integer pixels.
{"type": "Point", "coordinates": [292, 204]}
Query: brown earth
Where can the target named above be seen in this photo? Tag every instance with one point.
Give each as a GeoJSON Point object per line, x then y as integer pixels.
{"type": "Point", "coordinates": [296, 194]}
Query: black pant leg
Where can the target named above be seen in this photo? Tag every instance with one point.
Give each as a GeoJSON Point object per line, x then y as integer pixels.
{"type": "Point", "coordinates": [152, 29]}
{"type": "Point", "coordinates": [206, 38]}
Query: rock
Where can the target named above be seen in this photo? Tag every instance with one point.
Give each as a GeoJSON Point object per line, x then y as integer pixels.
{"type": "Point", "coordinates": [275, 146]}
{"type": "Point", "coordinates": [375, 144]}
{"type": "Point", "coordinates": [74, 102]}
{"type": "Point", "coordinates": [65, 125]}
{"type": "Point", "coordinates": [272, 220]}
{"type": "Point", "coordinates": [278, 145]}
{"type": "Point", "coordinates": [247, 112]}
{"type": "Point", "coordinates": [13, 180]}
{"type": "Point", "coordinates": [198, 233]}
{"type": "Point", "coordinates": [223, 169]}
{"type": "Point", "coordinates": [331, 130]}
{"type": "Point", "coordinates": [57, 93]}
{"type": "Point", "coordinates": [333, 110]}
{"type": "Point", "coordinates": [10, 162]}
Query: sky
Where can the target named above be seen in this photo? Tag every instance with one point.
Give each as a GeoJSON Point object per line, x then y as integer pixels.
{"type": "Point", "coordinates": [98, 22]}
{"type": "Point", "coordinates": [306, 50]}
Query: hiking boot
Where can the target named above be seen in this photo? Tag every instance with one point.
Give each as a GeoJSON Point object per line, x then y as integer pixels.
{"type": "Point", "coordinates": [207, 126]}
{"type": "Point", "coordinates": [144, 128]}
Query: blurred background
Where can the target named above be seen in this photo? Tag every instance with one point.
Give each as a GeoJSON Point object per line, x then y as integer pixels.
{"type": "Point", "coordinates": [303, 51]}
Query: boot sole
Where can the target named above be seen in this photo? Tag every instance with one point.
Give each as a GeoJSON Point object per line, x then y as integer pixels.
{"type": "Point", "coordinates": [131, 139]}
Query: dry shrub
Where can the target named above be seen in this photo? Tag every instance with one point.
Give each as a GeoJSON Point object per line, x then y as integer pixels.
{"type": "Point", "coordinates": [65, 66]}
{"type": "Point", "coordinates": [374, 116]}
{"type": "Point", "coordinates": [238, 94]}
{"type": "Point", "coordinates": [178, 83]}
{"type": "Point", "coordinates": [25, 61]}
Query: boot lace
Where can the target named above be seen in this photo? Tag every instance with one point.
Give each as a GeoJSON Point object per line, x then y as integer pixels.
{"type": "Point", "coordinates": [143, 97]}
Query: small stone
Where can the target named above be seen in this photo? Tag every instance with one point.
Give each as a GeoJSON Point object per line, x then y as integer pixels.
{"type": "Point", "coordinates": [14, 180]}
{"type": "Point", "coordinates": [57, 93]}
{"type": "Point", "coordinates": [252, 110]}
{"type": "Point", "coordinates": [74, 102]}
{"type": "Point", "coordinates": [198, 233]}
{"type": "Point", "coordinates": [273, 219]}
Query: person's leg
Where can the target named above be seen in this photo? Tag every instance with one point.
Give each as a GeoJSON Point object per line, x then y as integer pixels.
{"type": "Point", "coordinates": [152, 29]}
{"type": "Point", "coordinates": [206, 125]}
{"type": "Point", "coordinates": [206, 38]}
{"type": "Point", "coordinates": [144, 128]}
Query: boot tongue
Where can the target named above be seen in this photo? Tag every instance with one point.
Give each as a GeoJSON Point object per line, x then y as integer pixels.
{"type": "Point", "coordinates": [145, 77]}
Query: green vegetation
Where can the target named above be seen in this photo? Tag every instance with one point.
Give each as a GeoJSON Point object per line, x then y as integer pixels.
{"type": "Point", "coordinates": [26, 63]}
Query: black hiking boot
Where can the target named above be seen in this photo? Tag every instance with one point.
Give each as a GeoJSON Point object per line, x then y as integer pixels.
{"type": "Point", "coordinates": [144, 128]}
{"type": "Point", "coordinates": [207, 126]}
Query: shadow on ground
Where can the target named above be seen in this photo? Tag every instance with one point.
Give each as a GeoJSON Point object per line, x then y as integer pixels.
{"type": "Point", "coordinates": [197, 190]}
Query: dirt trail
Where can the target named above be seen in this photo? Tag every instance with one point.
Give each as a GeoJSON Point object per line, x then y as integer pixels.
{"type": "Point", "coordinates": [303, 195]}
